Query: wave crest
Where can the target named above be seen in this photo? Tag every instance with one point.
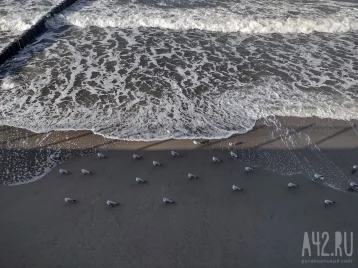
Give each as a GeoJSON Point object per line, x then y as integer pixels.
{"type": "Point", "coordinates": [249, 17]}
{"type": "Point", "coordinates": [233, 23]}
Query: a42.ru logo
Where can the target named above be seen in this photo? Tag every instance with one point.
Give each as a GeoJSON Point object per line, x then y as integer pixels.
{"type": "Point", "coordinates": [314, 244]}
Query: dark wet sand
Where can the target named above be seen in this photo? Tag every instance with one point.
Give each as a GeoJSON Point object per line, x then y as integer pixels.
{"type": "Point", "coordinates": [209, 226]}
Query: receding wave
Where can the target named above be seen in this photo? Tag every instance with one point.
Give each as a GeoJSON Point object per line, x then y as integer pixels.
{"type": "Point", "coordinates": [137, 83]}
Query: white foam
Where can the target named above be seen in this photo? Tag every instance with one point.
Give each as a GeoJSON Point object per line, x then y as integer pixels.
{"type": "Point", "coordinates": [273, 16]}
{"type": "Point", "coordinates": [18, 16]}
{"type": "Point", "coordinates": [217, 23]}
{"type": "Point", "coordinates": [126, 79]}
{"type": "Point", "coordinates": [15, 25]}
{"type": "Point", "coordinates": [7, 84]}
{"type": "Point", "coordinates": [216, 90]}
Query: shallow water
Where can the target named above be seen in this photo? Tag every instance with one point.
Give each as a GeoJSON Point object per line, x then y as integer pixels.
{"type": "Point", "coordinates": [135, 69]}
{"type": "Point", "coordinates": [153, 70]}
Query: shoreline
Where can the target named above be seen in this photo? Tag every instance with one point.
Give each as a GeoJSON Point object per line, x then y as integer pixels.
{"type": "Point", "coordinates": [306, 140]}
{"type": "Point", "coordinates": [278, 122]}
{"type": "Point", "coordinates": [270, 121]}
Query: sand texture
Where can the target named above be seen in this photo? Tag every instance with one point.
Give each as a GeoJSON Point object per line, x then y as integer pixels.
{"type": "Point", "coordinates": [208, 226]}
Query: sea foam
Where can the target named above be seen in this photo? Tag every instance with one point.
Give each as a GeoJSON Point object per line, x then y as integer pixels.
{"type": "Point", "coordinates": [248, 17]}
{"type": "Point", "coordinates": [136, 84]}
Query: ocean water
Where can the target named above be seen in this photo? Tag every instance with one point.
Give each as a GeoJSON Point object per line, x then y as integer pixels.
{"type": "Point", "coordinates": [18, 16]}
{"type": "Point", "coordinates": [200, 69]}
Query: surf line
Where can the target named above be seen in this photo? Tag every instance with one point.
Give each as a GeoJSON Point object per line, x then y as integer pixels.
{"type": "Point", "coordinates": [29, 35]}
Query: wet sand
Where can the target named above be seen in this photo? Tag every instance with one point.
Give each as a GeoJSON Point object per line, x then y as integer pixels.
{"type": "Point", "coordinates": [209, 226]}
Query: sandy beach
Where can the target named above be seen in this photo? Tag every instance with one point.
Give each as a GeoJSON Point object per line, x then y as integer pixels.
{"type": "Point", "coordinates": [208, 226]}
